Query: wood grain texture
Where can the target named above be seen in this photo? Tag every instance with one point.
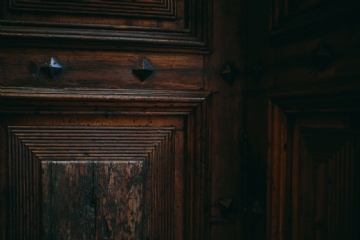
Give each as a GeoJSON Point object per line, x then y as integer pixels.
{"type": "Point", "coordinates": [309, 180]}
{"type": "Point", "coordinates": [159, 9]}
{"type": "Point", "coordinates": [324, 184]}
{"type": "Point", "coordinates": [100, 69]}
{"type": "Point", "coordinates": [172, 162]}
{"type": "Point", "coordinates": [169, 25]}
{"type": "Point", "coordinates": [93, 181]}
{"type": "Point", "coordinates": [291, 20]}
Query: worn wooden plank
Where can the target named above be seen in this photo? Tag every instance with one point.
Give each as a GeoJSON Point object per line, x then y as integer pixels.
{"type": "Point", "coordinates": [68, 200]}
{"type": "Point", "coordinates": [120, 199]}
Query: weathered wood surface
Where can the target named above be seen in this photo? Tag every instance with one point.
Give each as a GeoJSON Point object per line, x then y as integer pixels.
{"type": "Point", "coordinates": [309, 50]}
{"type": "Point", "coordinates": [96, 87]}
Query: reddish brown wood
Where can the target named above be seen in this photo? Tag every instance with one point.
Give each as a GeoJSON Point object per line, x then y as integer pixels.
{"type": "Point", "coordinates": [124, 177]}
{"type": "Point", "coordinates": [180, 25]}
{"type": "Point", "coordinates": [290, 20]}
{"type": "Point", "coordinates": [309, 51]}
{"type": "Point", "coordinates": [98, 43]}
{"type": "Point", "coordinates": [98, 69]}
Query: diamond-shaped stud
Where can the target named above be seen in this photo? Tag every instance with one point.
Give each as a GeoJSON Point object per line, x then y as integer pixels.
{"type": "Point", "coordinates": [143, 70]}
{"type": "Point", "coordinates": [323, 58]}
{"type": "Point", "coordinates": [51, 68]}
{"type": "Point", "coordinates": [228, 73]}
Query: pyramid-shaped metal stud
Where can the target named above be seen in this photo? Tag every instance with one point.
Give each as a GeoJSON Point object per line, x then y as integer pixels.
{"type": "Point", "coordinates": [228, 73]}
{"type": "Point", "coordinates": [51, 68]}
{"type": "Point", "coordinates": [322, 58]}
{"type": "Point", "coordinates": [143, 70]}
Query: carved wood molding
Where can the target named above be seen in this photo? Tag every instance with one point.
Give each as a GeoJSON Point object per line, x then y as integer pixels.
{"type": "Point", "coordinates": [156, 141]}
{"type": "Point", "coordinates": [289, 20]}
{"type": "Point", "coordinates": [99, 101]}
{"type": "Point", "coordinates": [160, 9]}
{"type": "Point", "coordinates": [284, 106]}
{"type": "Point", "coordinates": [171, 25]}
{"type": "Point", "coordinates": [146, 151]}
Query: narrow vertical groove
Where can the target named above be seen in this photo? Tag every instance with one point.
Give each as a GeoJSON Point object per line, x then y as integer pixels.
{"type": "Point", "coordinates": [348, 189]}
{"type": "Point", "coordinates": [94, 198]}
{"type": "Point", "coordinates": [162, 187]}
{"type": "Point", "coordinates": [36, 196]}
{"type": "Point", "coordinates": [353, 186]}
{"type": "Point", "coordinates": [26, 163]}
{"type": "Point", "coordinates": [345, 192]}
{"type": "Point", "coordinates": [25, 186]}
{"type": "Point", "coordinates": [27, 198]}
{"type": "Point", "coordinates": [191, 175]}
{"type": "Point", "coordinates": [331, 196]}
{"type": "Point", "coordinates": [162, 195]}
{"type": "Point", "coordinates": [18, 195]}
{"type": "Point", "coordinates": [165, 195]}
{"type": "Point", "coordinates": [355, 167]}
{"type": "Point", "coordinates": [16, 191]}
{"type": "Point", "coordinates": [11, 182]}
{"type": "Point", "coordinates": [32, 196]}
{"type": "Point", "coordinates": [11, 192]}
{"type": "Point", "coordinates": [172, 190]}
{"type": "Point", "coordinates": [27, 168]}
{"type": "Point", "coordinates": [51, 200]}
{"type": "Point", "coordinates": [155, 202]}
{"type": "Point", "coordinates": [161, 179]}
{"type": "Point", "coordinates": [20, 200]}
{"type": "Point", "coordinates": [335, 196]}
{"type": "Point", "coordinates": [337, 207]}
{"type": "Point", "coordinates": [342, 194]}
{"type": "Point", "coordinates": [161, 205]}
{"type": "Point", "coordinates": [152, 195]}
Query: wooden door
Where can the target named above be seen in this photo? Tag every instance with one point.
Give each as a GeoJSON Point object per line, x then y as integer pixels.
{"type": "Point", "coordinates": [121, 119]}
{"type": "Point", "coordinates": [303, 126]}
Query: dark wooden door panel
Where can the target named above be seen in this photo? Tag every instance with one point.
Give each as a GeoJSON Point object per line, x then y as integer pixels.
{"type": "Point", "coordinates": [102, 47]}
{"type": "Point", "coordinates": [121, 175]}
{"type": "Point", "coordinates": [303, 99]}
{"type": "Point", "coordinates": [313, 159]}
{"type": "Point", "coordinates": [88, 182]}
{"type": "Point", "coordinates": [325, 198]}
{"type": "Point", "coordinates": [176, 25]}
{"type": "Point", "coordinates": [93, 200]}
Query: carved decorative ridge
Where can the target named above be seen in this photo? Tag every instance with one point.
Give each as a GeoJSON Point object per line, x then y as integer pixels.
{"type": "Point", "coordinates": [160, 9]}
{"type": "Point", "coordinates": [190, 107]}
{"type": "Point", "coordinates": [51, 148]}
{"type": "Point", "coordinates": [185, 35]}
{"type": "Point", "coordinates": [100, 101]}
{"type": "Point", "coordinates": [143, 70]}
{"type": "Point", "coordinates": [285, 105]}
{"type": "Point", "coordinates": [289, 23]}
{"type": "Point", "coordinates": [324, 145]}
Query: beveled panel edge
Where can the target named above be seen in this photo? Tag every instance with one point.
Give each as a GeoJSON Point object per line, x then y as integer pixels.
{"type": "Point", "coordinates": [332, 95]}
{"type": "Point", "coordinates": [194, 38]}
{"type": "Point", "coordinates": [15, 34]}
{"type": "Point", "coordinates": [99, 101]}
{"type": "Point", "coordinates": [165, 9]}
{"type": "Point", "coordinates": [283, 105]}
{"type": "Point", "coordinates": [310, 21]}
{"type": "Point", "coordinates": [103, 94]}
{"type": "Point", "coordinates": [159, 136]}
